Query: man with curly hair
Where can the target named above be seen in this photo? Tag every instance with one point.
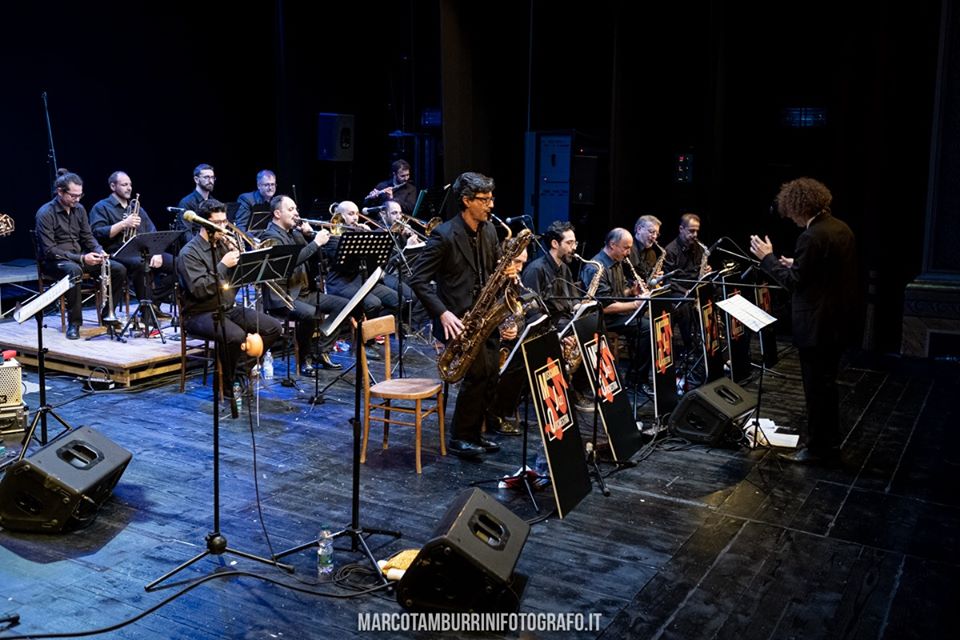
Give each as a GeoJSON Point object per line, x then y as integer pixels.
{"type": "Point", "coordinates": [822, 277]}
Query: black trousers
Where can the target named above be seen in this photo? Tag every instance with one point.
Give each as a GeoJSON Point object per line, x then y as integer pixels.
{"type": "Point", "coordinates": [58, 269]}
{"type": "Point", "coordinates": [159, 281]}
{"type": "Point", "coordinates": [238, 322]}
{"type": "Point", "coordinates": [476, 394]}
{"type": "Point", "coordinates": [819, 367]}
{"type": "Point", "coordinates": [381, 300]}
{"type": "Point", "coordinates": [306, 313]}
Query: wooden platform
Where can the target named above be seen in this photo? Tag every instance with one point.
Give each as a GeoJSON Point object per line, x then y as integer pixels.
{"type": "Point", "coordinates": [124, 362]}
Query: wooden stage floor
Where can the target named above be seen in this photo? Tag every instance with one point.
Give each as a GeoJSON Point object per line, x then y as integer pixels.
{"type": "Point", "coordinates": [692, 543]}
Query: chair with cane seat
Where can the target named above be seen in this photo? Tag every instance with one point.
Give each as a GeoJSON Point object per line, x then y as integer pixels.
{"type": "Point", "coordinates": [380, 396]}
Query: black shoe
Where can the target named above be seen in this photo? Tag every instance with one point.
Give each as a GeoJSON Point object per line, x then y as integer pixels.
{"type": "Point", "coordinates": [308, 371]}
{"type": "Point", "coordinates": [489, 446]}
{"type": "Point", "coordinates": [464, 449]}
{"type": "Point", "coordinates": [828, 458]}
{"type": "Point", "coordinates": [161, 315]}
{"type": "Point", "coordinates": [646, 389]}
{"type": "Point", "coordinates": [503, 426]}
{"type": "Point", "coordinates": [73, 332]}
{"type": "Point", "coordinates": [325, 362]}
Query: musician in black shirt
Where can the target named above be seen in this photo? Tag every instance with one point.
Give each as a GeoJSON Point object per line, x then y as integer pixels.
{"type": "Point", "coordinates": [112, 218]}
{"type": "Point", "coordinates": [644, 256]}
{"type": "Point", "coordinates": [205, 179]}
{"type": "Point", "coordinates": [205, 287]}
{"type": "Point", "coordinates": [307, 306]}
{"type": "Point", "coordinates": [66, 246]}
{"type": "Point", "coordinates": [266, 189]}
{"type": "Point", "coordinates": [398, 188]}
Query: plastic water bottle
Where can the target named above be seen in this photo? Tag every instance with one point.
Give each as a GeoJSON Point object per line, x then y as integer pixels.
{"type": "Point", "coordinates": [268, 366]}
{"type": "Point", "coordinates": [324, 554]}
{"type": "Point", "coordinates": [238, 396]}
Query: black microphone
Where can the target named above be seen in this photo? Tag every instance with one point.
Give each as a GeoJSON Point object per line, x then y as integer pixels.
{"type": "Point", "coordinates": [513, 219]}
{"type": "Point", "coordinates": [190, 216]}
{"type": "Point", "coordinates": [715, 243]}
{"type": "Point", "coordinates": [368, 210]}
{"type": "Point", "coordinates": [655, 281]}
{"type": "Point", "coordinates": [176, 209]}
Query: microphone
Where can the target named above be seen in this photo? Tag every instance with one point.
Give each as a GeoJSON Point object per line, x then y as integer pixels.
{"type": "Point", "coordinates": [655, 281]}
{"type": "Point", "coordinates": [715, 243]}
{"type": "Point", "coordinates": [368, 210]}
{"type": "Point", "coordinates": [517, 219]}
{"type": "Point", "coordinates": [176, 209]}
{"type": "Point", "coordinates": [190, 216]}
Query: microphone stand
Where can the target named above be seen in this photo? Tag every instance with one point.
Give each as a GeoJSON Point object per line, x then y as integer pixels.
{"type": "Point", "coordinates": [51, 152]}
{"type": "Point", "coordinates": [398, 246]}
{"type": "Point", "coordinates": [216, 542]}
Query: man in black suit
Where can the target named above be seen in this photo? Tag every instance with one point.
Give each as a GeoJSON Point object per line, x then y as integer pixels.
{"type": "Point", "coordinates": [266, 189]}
{"type": "Point", "coordinates": [460, 255]}
{"type": "Point", "coordinates": [822, 276]}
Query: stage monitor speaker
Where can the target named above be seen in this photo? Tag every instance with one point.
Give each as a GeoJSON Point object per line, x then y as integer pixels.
{"type": "Point", "coordinates": [335, 137]}
{"type": "Point", "coordinates": [468, 563]}
{"type": "Point", "coordinates": [62, 486]}
{"type": "Point", "coordinates": [706, 414]}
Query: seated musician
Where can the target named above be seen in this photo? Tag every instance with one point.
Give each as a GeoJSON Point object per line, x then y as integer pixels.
{"type": "Point", "coordinates": [113, 221]}
{"type": "Point", "coordinates": [286, 228]}
{"type": "Point", "coordinates": [345, 282]}
{"type": "Point", "coordinates": [644, 256]}
{"type": "Point", "coordinates": [266, 189]}
{"type": "Point", "coordinates": [398, 188]}
{"type": "Point", "coordinates": [204, 278]}
{"type": "Point", "coordinates": [685, 258]}
{"type": "Point", "coordinates": [66, 246]}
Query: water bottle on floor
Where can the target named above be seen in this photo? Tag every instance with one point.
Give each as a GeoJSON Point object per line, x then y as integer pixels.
{"type": "Point", "coordinates": [324, 554]}
{"type": "Point", "coordinates": [268, 366]}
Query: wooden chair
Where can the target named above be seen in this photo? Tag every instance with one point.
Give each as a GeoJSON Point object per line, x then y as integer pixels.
{"type": "Point", "coordinates": [414, 390]}
{"type": "Point", "coordinates": [184, 352]}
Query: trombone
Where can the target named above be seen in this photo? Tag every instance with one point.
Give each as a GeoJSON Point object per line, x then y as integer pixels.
{"type": "Point", "coordinates": [406, 220]}
{"type": "Point", "coordinates": [238, 238]}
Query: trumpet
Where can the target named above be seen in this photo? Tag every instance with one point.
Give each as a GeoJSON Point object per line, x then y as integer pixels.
{"type": "Point", "coordinates": [131, 232]}
{"type": "Point", "coordinates": [106, 287]}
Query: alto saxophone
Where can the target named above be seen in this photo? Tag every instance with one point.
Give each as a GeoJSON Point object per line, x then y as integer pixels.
{"type": "Point", "coordinates": [499, 297]}
{"type": "Point", "coordinates": [704, 266]}
{"type": "Point", "coordinates": [572, 353]}
{"type": "Point", "coordinates": [654, 281]}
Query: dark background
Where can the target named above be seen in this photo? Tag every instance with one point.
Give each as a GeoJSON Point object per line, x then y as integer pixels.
{"type": "Point", "coordinates": [155, 89]}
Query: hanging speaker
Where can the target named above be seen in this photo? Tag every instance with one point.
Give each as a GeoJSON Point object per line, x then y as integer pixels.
{"type": "Point", "coordinates": [468, 563]}
{"type": "Point", "coordinates": [62, 486]}
{"type": "Point", "coordinates": [705, 414]}
{"type": "Point", "coordinates": [335, 137]}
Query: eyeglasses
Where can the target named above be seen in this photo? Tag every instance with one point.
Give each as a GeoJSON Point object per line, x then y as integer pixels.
{"type": "Point", "coordinates": [572, 243]}
{"type": "Point", "coordinates": [75, 196]}
{"type": "Point", "coordinates": [485, 199]}
{"type": "Point", "coordinates": [267, 185]}
{"type": "Point", "coordinates": [208, 177]}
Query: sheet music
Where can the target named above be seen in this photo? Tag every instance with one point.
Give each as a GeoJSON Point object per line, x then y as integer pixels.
{"type": "Point", "coordinates": [523, 336]}
{"type": "Point", "coordinates": [752, 316]}
{"type": "Point", "coordinates": [333, 322]}
{"type": "Point", "coordinates": [576, 316]}
{"type": "Point", "coordinates": [42, 300]}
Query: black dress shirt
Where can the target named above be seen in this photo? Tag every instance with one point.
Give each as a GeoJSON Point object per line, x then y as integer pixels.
{"type": "Point", "coordinates": [200, 286]}
{"type": "Point", "coordinates": [554, 283]}
{"type": "Point", "coordinates": [64, 234]}
{"type": "Point", "coordinates": [107, 213]}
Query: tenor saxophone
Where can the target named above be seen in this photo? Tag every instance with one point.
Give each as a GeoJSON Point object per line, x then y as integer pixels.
{"type": "Point", "coordinates": [704, 266]}
{"type": "Point", "coordinates": [499, 297]}
{"type": "Point", "coordinates": [572, 353]}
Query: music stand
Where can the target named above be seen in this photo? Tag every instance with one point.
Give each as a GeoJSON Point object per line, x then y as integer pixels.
{"type": "Point", "coordinates": [755, 319]}
{"type": "Point", "coordinates": [143, 246]}
{"type": "Point", "coordinates": [368, 249]}
{"type": "Point", "coordinates": [521, 474]}
{"type": "Point", "coordinates": [34, 308]}
{"type": "Point", "coordinates": [251, 268]}
{"type": "Point", "coordinates": [260, 217]}
{"type": "Point", "coordinates": [431, 202]}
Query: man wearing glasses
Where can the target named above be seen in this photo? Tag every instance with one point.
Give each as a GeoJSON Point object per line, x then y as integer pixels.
{"type": "Point", "coordinates": [205, 179]}
{"type": "Point", "coordinates": [266, 189]}
{"type": "Point", "coordinates": [643, 257]}
{"type": "Point", "coordinates": [66, 246]}
{"type": "Point", "coordinates": [460, 255]}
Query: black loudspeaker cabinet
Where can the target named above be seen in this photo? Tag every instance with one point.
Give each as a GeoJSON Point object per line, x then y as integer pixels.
{"type": "Point", "coordinates": [335, 137]}
{"type": "Point", "coordinates": [468, 564]}
{"type": "Point", "coordinates": [62, 486]}
{"type": "Point", "coordinates": [705, 414]}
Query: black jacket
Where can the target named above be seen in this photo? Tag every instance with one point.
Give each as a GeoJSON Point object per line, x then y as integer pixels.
{"type": "Point", "coordinates": [823, 281]}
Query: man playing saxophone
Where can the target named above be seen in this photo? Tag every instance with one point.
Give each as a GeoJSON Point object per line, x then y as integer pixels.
{"type": "Point", "coordinates": [644, 256]}
{"type": "Point", "coordinates": [461, 254]}
{"type": "Point", "coordinates": [66, 246]}
{"type": "Point", "coordinates": [686, 258]}
{"type": "Point", "coordinates": [113, 221]}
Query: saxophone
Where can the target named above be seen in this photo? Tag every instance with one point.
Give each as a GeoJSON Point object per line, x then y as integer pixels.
{"type": "Point", "coordinates": [572, 353]}
{"type": "Point", "coordinates": [704, 267]}
{"type": "Point", "coordinates": [499, 298]}
{"type": "Point", "coordinates": [654, 281]}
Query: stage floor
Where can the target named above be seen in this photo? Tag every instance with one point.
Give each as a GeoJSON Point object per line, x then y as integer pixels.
{"type": "Point", "coordinates": [693, 542]}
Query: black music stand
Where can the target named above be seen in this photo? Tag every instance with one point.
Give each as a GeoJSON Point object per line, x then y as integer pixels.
{"type": "Point", "coordinates": [363, 250]}
{"type": "Point", "coordinates": [360, 251]}
{"type": "Point", "coordinates": [34, 308]}
{"type": "Point", "coordinates": [143, 246]}
{"type": "Point", "coordinates": [260, 217]}
{"type": "Point", "coordinates": [250, 269]}
{"type": "Point", "coordinates": [521, 474]}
